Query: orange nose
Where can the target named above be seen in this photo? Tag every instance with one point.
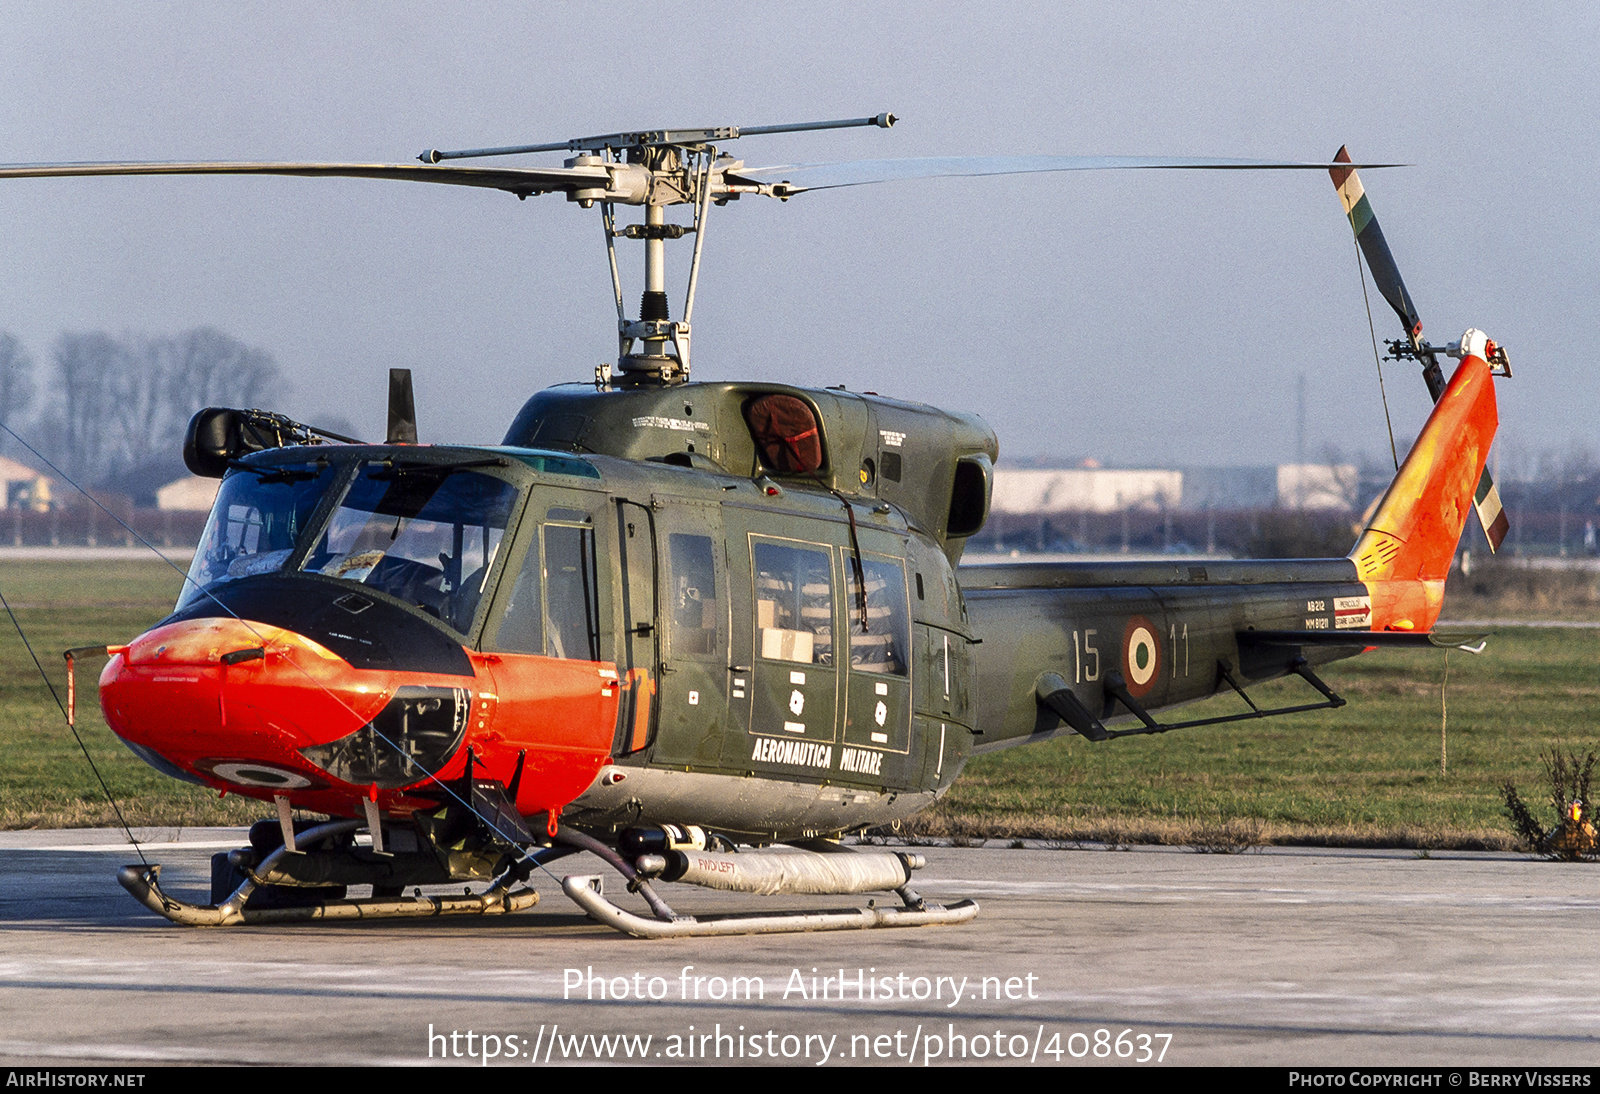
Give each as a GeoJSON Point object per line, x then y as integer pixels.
{"type": "Point", "coordinates": [234, 702]}
{"type": "Point", "coordinates": [264, 711]}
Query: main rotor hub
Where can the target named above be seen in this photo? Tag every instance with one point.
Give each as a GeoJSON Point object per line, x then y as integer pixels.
{"type": "Point", "coordinates": [654, 169]}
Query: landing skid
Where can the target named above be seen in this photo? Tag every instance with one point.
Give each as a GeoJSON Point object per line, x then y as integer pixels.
{"type": "Point", "coordinates": [588, 893]}
{"type": "Point", "coordinates": [142, 882]}
{"type": "Point", "coordinates": [840, 871]}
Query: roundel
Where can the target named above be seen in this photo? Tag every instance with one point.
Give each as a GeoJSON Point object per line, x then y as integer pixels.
{"type": "Point", "coordinates": [252, 774]}
{"type": "Point", "coordinates": [1141, 656]}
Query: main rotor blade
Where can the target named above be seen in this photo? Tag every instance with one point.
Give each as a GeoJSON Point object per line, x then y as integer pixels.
{"type": "Point", "coordinates": [521, 181]}
{"type": "Point", "coordinates": [800, 177]}
{"type": "Point", "coordinates": [1380, 260]}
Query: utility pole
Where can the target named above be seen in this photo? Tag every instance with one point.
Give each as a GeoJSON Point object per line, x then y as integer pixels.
{"type": "Point", "coordinates": [1300, 446]}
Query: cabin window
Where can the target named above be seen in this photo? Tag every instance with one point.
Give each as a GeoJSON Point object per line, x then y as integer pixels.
{"type": "Point", "coordinates": [794, 603]}
{"type": "Point", "coordinates": [522, 627]}
{"type": "Point", "coordinates": [883, 644]}
{"type": "Point", "coordinates": [554, 604]}
{"type": "Point", "coordinates": [691, 607]}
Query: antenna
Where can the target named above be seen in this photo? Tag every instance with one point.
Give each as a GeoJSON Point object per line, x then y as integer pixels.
{"type": "Point", "coordinates": [402, 408]}
{"type": "Point", "coordinates": [1300, 447]}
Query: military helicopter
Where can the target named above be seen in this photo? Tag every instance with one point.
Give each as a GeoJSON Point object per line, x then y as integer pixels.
{"type": "Point", "coordinates": [665, 618]}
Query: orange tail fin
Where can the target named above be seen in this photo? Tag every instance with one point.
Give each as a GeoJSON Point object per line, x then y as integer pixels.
{"type": "Point", "coordinates": [1404, 555]}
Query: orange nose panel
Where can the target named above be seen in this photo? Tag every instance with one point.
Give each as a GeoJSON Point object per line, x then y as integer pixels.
{"type": "Point", "coordinates": [220, 692]}
{"type": "Point", "coordinates": [236, 702]}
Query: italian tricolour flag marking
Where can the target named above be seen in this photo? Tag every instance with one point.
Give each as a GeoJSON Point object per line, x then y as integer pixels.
{"type": "Point", "coordinates": [1490, 511]}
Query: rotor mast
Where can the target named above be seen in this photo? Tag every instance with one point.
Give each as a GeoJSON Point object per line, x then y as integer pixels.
{"type": "Point", "coordinates": [655, 169]}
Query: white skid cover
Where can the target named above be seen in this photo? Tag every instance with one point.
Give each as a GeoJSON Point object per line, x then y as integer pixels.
{"type": "Point", "coordinates": [771, 873]}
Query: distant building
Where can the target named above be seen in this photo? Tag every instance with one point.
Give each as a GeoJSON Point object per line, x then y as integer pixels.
{"type": "Point", "coordinates": [1084, 490]}
{"type": "Point", "coordinates": [1229, 489]}
{"type": "Point", "coordinates": [21, 487]}
{"type": "Point", "coordinates": [190, 494]}
{"type": "Point", "coordinates": [1318, 485]}
{"type": "Point", "coordinates": [1090, 489]}
{"type": "Point", "coordinates": [1285, 486]}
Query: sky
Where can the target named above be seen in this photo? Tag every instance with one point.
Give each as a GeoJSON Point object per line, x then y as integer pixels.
{"type": "Point", "coordinates": [1150, 318]}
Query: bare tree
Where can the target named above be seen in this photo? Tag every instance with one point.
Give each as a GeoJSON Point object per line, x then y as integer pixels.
{"type": "Point", "coordinates": [123, 403]}
{"type": "Point", "coordinates": [16, 382]}
{"type": "Point", "coordinates": [143, 409]}
{"type": "Point", "coordinates": [89, 366]}
{"type": "Point", "coordinates": [209, 368]}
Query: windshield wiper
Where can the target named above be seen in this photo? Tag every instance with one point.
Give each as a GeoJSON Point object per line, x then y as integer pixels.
{"type": "Point", "coordinates": [272, 474]}
{"type": "Point", "coordinates": [391, 470]}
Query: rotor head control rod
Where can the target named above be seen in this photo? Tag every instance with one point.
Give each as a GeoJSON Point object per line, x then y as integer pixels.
{"type": "Point", "coordinates": [653, 137]}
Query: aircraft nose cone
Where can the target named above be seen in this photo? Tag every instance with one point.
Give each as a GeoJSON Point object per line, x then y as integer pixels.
{"type": "Point", "coordinates": [233, 700]}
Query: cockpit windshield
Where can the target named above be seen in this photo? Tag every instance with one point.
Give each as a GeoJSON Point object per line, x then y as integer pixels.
{"type": "Point", "coordinates": [255, 523]}
{"type": "Point", "coordinates": [425, 533]}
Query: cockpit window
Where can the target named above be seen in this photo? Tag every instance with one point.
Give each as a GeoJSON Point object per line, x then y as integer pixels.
{"type": "Point", "coordinates": [570, 593]}
{"type": "Point", "coordinates": [427, 535]}
{"type": "Point", "coordinates": [258, 516]}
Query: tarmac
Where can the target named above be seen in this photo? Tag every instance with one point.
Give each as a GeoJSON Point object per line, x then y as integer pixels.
{"type": "Point", "coordinates": [1085, 956]}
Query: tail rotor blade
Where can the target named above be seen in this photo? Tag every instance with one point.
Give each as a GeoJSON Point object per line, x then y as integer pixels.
{"type": "Point", "coordinates": [1376, 249]}
{"type": "Point", "coordinates": [1491, 514]}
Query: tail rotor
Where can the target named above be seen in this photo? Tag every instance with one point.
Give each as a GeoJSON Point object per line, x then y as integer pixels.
{"type": "Point", "coordinates": [1386, 275]}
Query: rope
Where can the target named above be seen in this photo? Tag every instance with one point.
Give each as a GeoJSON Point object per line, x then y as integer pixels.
{"type": "Point", "coordinates": [1444, 714]}
{"type": "Point", "coordinates": [429, 775]}
{"type": "Point", "coordinates": [1373, 331]}
{"type": "Point", "coordinates": [15, 622]}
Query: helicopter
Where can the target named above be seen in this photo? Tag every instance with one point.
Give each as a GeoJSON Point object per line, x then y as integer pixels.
{"type": "Point", "coordinates": [668, 618]}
